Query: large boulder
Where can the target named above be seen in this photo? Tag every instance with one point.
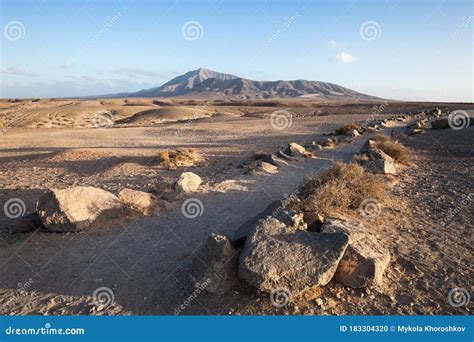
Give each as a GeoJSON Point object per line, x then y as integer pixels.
{"type": "Point", "coordinates": [354, 133]}
{"type": "Point", "coordinates": [415, 127]}
{"type": "Point", "coordinates": [329, 142]}
{"type": "Point", "coordinates": [354, 230]}
{"type": "Point", "coordinates": [442, 123]}
{"type": "Point", "coordinates": [380, 162]}
{"type": "Point", "coordinates": [280, 256]}
{"type": "Point", "coordinates": [368, 145]}
{"type": "Point", "coordinates": [313, 220]}
{"type": "Point", "coordinates": [275, 209]}
{"type": "Point", "coordinates": [215, 266]}
{"type": "Point", "coordinates": [76, 208]}
{"type": "Point", "coordinates": [296, 150]}
{"type": "Point", "coordinates": [143, 202]}
{"type": "Point", "coordinates": [188, 182]}
{"type": "Point", "coordinates": [265, 157]}
{"type": "Point", "coordinates": [365, 259]}
{"type": "Point", "coordinates": [261, 167]}
{"type": "Point", "coordinates": [363, 264]}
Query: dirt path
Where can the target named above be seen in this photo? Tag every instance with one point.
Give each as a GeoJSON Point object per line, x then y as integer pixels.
{"type": "Point", "coordinates": [146, 261]}
{"type": "Point", "coordinates": [428, 227]}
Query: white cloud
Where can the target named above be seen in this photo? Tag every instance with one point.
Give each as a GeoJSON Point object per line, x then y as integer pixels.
{"type": "Point", "coordinates": [332, 44]}
{"type": "Point", "coordinates": [346, 58]}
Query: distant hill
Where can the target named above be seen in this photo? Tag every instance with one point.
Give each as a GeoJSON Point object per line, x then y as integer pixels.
{"type": "Point", "coordinates": [204, 83]}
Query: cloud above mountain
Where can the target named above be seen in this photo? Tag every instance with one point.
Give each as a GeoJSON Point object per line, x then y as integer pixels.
{"type": "Point", "coordinates": [346, 58]}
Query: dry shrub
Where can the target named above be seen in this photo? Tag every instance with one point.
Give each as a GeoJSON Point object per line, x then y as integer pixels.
{"type": "Point", "coordinates": [258, 155]}
{"type": "Point", "coordinates": [180, 157]}
{"type": "Point", "coordinates": [163, 102]}
{"type": "Point", "coordinates": [394, 149]}
{"type": "Point", "coordinates": [346, 129]}
{"type": "Point", "coordinates": [360, 159]}
{"type": "Point", "coordinates": [341, 188]}
{"type": "Point", "coordinates": [136, 103]}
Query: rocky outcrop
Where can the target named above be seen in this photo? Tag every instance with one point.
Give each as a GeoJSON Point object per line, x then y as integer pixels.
{"type": "Point", "coordinates": [313, 220]}
{"type": "Point", "coordinates": [354, 230]}
{"type": "Point", "coordinates": [365, 258]}
{"type": "Point", "coordinates": [277, 210]}
{"type": "Point", "coordinates": [215, 266]}
{"type": "Point", "coordinates": [143, 202]}
{"type": "Point", "coordinates": [280, 256]}
{"type": "Point", "coordinates": [296, 150]}
{"type": "Point", "coordinates": [379, 162]}
{"type": "Point", "coordinates": [363, 264]}
{"type": "Point", "coordinates": [188, 182]}
{"type": "Point", "coordinates": [76, 208]}
{"type": "Point", "coordinates": [442, 123]}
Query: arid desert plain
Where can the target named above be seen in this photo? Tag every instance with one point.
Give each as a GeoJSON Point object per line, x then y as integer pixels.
{"type": "Point", "coordinates": [137, 206]}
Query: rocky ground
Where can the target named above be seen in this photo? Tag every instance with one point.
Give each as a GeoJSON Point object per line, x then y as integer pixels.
{"type": "Point", "coordinates": [144, 263]}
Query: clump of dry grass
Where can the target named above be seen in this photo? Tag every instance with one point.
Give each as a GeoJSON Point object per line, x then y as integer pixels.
{"type": "Point", "coordinates": [180, 157]}
{"type": "Point", "coordinates": [340, 189]}
{"type": "Point", "coordinates": [136, 103]}
{"type": "Point", "coordinates": [257, 155]}
{"type": "Point", "coordinates": [400, 153]}
{"type": "Point", "coordinates": [344, 130]}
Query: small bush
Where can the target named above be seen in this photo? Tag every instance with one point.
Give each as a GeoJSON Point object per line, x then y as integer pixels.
{"type": "Point", "coordinates": [258, 155]}
{"type": "Point", "coordinates": [341, 188]}
{"type": "Point", "coordinates": [180, 157]}
{"type": "Point", "coordinates": [397, 151]}
{"type": "Point", "coordinates": [344, 130]}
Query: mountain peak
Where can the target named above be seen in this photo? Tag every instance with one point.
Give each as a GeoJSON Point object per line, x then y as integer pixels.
{"type": "Point", "coordinates": [204, 82]}
{"type": "Point", "coordinates": [205, 74]}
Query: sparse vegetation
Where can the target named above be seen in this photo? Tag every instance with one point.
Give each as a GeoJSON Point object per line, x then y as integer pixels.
{"type": "Point", "coordinates": [397, 151]}
{"type": "Point", "coordinates": [180, 157]}
{"type": "Point", "coordinates": [136, 103]}
{"type": "Point", "coordinates": [346, 129]}
{"type": "Point", "coordinates": [341, 188]}
{"type": "Point", "coordinates": [257, 155]}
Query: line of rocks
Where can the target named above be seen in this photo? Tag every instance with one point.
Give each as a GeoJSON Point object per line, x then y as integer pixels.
{"type": "Point", "coordinates": [276, 250]}
{"type": "Point", "coordinates": [282, 249]}
{"type": "Point", "coordinates": [84, 207]}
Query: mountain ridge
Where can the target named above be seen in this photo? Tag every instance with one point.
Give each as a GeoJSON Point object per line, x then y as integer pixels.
{"type": "Point", "coordinates": [206, 83]}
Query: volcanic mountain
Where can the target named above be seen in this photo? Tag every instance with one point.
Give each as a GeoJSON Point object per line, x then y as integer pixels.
{"type": "Point", "coordinates": [204, 83]}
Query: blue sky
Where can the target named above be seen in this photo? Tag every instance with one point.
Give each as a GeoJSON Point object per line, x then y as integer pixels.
{"type": "Point", "coordinates": [418, 50]}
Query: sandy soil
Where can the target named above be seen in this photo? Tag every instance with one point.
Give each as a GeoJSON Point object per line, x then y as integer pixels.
{"type": "Point", "coordinates": [146, 260]}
